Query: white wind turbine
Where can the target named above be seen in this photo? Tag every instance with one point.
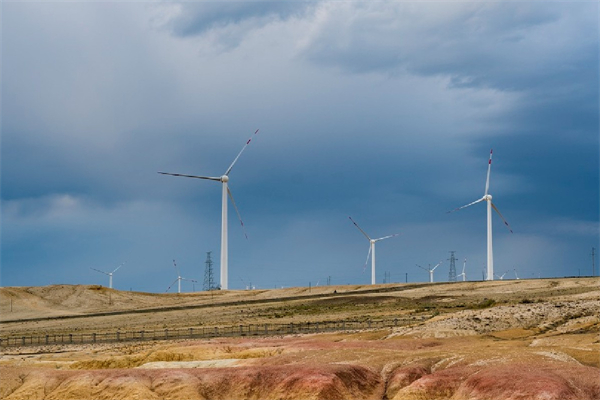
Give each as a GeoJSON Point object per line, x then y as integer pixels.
{"type": "Point", "coordinates": [179, 279]}
{"type": "Point", "coordinates": [430, 270]}
{"type": "Point", "coordinates": [501, 277]}
{"type": "Point", "coordinates": [371, 252]}
{"type": "Point", "coordinates": [110, 274]}
{"type": "Point", "coordinates": [463, 271]}
{"type": "Point", "coordinates": [488, 197]}
{"type": "Point", "coordinates": [226, 192]}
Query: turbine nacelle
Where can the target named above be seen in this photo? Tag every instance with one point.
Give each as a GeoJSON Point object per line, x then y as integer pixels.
{"type": "Point", "coordinates": [487, 197]}
{"type": "Point", "coordinates": [224, 179]}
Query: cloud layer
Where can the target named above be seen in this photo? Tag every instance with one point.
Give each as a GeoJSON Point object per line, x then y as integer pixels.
{"type": "Point", "coordinates": [384, 111]}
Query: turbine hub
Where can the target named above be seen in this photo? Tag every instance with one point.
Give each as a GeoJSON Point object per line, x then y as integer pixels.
{"type": "Point", "coordinates": [224, 178]}
{"type": "Point", "coordinates": [487, 197]}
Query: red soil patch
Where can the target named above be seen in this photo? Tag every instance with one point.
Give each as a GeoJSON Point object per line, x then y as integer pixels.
{"type": "Point", "coordinates": [507, 382]}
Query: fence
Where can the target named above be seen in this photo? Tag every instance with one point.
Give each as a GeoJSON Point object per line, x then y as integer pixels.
{"type": "Point", "coordinates": [202, 332]}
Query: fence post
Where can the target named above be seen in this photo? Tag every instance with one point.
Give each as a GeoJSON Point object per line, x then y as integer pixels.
{"type": "Point", "coordinates": [70, 338]}
{"type": "Point", "coordinates": [266, 329]}
{"type": "Point", "coordinates": [94, 337]}
{"type": "Point", "coordinates": [118, 336]}
{"type": "Point", "coordinates": [166, 333]}
{"type": "Point", "coordinates": [142, 335]}
{"type": "Point", "coordinates": [191, 332]}
{"type": "Point", "coordinates": [241, 330]}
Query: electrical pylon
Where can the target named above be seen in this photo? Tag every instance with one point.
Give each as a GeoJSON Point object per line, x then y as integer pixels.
{"type": "Point", "coordinates": [209, 283]}
{"type": "Point", "coordinates": [452, 274]}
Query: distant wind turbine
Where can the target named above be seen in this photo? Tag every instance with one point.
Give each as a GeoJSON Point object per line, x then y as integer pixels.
{"type": "Point", "coordinates": [488, 197]}
{"type": "Point", "coordinates": [501, 277]}
{"type": "Point", "coordinates": [463, 271]}
{"type": "Point", "coordinates": [371, 252]}
{"type": "Point", "coordinates": [179, 279]}
{"type": "Point", "coordinates": [430, 270]}
{"type": "Point", "coordinates": [226, 192]}
{"type": "Point", "coordinates": [110, 274]}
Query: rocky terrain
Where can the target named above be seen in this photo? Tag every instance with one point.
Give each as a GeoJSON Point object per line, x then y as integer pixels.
{"type": "Point", "coordinates": [521, 339]}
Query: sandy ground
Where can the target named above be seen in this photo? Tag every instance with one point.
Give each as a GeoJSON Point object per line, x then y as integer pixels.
{"type": "Point", "coordinates": [526, 339]}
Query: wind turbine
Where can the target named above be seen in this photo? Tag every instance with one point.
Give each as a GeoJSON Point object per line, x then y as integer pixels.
{"type": "Point", "coordinates": [430, 270]}
{"type": "Point", "coordinates": [501, 277]}
{"type": "Point", "coordinates": [463, 271]}
{"type": "Point", "coordinates": [371, 252]}
{"type": "Point", "coordinates": [488, 197]}
{"type": "Point", "coordinates": [226, 192]}
{"type": "Point", "coordinates": [179, 279]}
{"type": "Point", "coordinates": [110, 274]}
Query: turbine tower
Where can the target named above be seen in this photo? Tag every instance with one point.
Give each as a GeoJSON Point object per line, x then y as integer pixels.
{"type": "Point", "coordinates": [488, 198]}
{"type": "Point", "coordinates": [110, 274]}
{"type": "Point", "coordinates": [463, 271]}
{"type": "Point", "coordinates": [430, 270]}
{"type": "Point", "coordinates": [371, 252]}
{"type": "Point", "coordinates": [178, 280]}
{"type": "Point", "coordinates": [226, 192]}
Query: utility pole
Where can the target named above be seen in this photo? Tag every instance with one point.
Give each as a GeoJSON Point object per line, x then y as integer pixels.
{"type": "Point", "coordinates": [452, 274]}
{"type": "Point", "coordinates": [386, 277]}
{"type": "Point", "coordinates": [593, 261]}
{"type": "Point", "coordinates": [209, 283]}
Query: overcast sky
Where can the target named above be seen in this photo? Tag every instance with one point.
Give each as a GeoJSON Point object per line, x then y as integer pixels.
{"type": "Point", "coordinates": [384, 111]}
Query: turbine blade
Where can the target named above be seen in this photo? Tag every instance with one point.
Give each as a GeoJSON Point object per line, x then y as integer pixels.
{"type": "Point", "coordinates": [467, 205]}
{"type": "Point", "coordinates": [102, 272]}
{"type": "Point", "coordinates": [503, 220]}
{"type": "Point", "coordinates": [367, 260]}
{"type": "Point", "coordinates": [423, 268]}
{"type": "Point", "coordinates": [386, 237]}
{"type": "Point", "coordinates": [171, 285]}
{"type": "Point", "coordinates": [211, 178]}
{"type": "Point", "coordinates": [240, 153]}
{"type": "Point", "coordinates": [487, 181]}
{"type": "Point", "coordinates": [118, 268]}
{"type": "Point", "coordinates": [363, 232]}
{"type": "Point", "coordinates": [177, 268]}
{"type": "Point", "coordinates": [237, 211]}
{"type": "Point", "coordinates": [437, 265]}
{"type": "Point", "coordinates": [189, 280]}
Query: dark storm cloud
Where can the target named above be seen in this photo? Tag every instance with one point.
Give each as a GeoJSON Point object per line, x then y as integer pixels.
{"type": "Point", "coordinates": [384, 111]}
{"type": "Point", "coordinates": [198, 17]}
{"type": "Point", "coordinates": [509, 46]}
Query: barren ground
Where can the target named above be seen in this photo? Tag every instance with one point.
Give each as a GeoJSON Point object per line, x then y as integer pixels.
{"type": "Point", "coordinates": [511, 339]}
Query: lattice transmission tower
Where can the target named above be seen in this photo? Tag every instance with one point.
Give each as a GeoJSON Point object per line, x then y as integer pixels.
{"type": "Point", "coordinates": [452, 274]}
{"type": "Point", "coordinates": [209, 283]}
